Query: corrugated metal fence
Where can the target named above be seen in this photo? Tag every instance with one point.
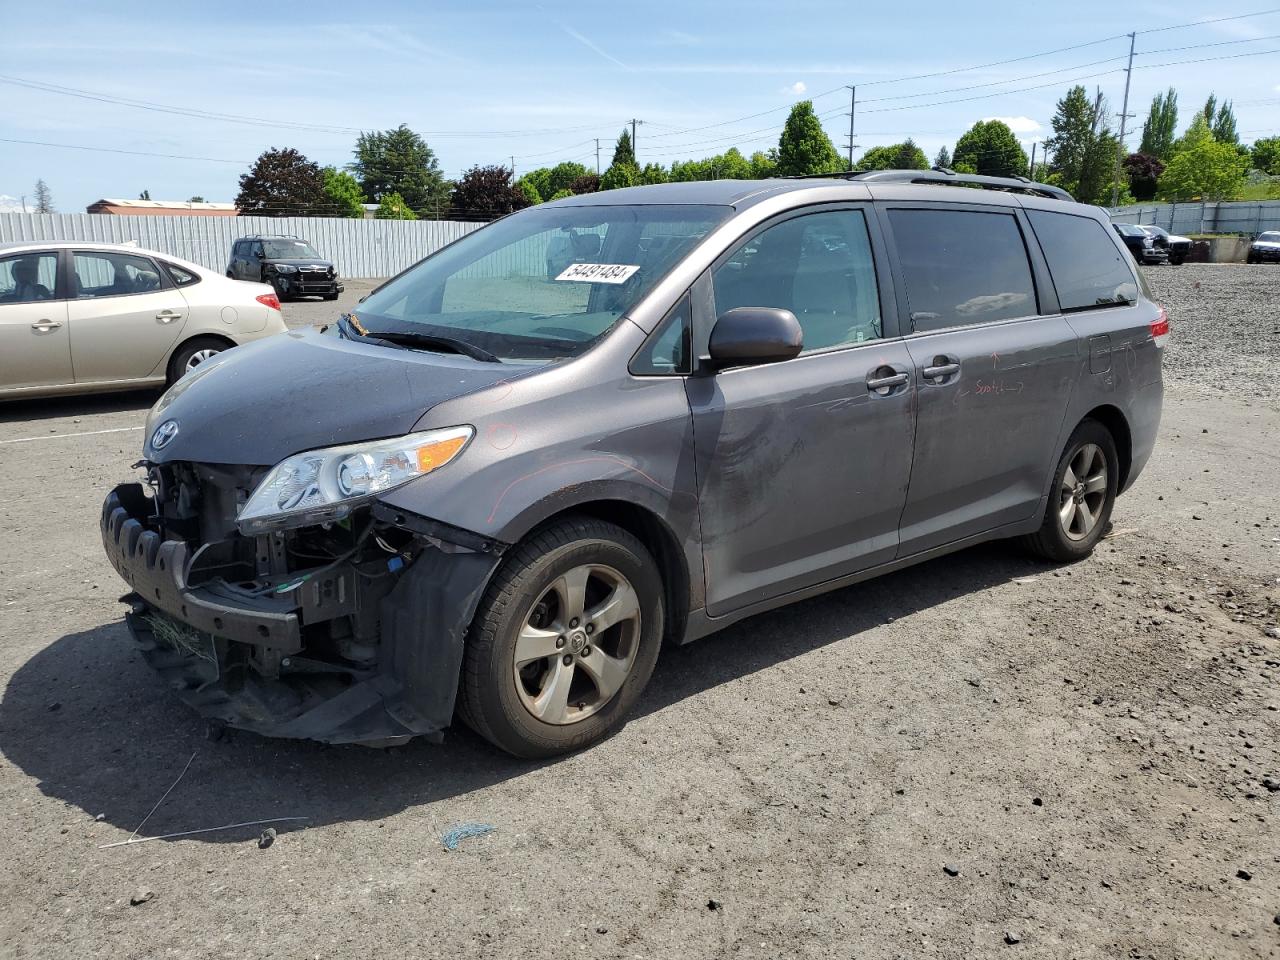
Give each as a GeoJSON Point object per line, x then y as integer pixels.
{"type": "Point", "coordinates": [358, 248]}
{"type": "Point", "coordinates": [1248, 217]}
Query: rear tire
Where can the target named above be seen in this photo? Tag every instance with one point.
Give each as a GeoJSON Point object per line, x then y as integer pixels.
{"type": "Point", "coordinates": [550, 589]}
{"type": "Point", "coordinates": [191, 354]}
{"type": "Point", "coordinates": [1081, 497]}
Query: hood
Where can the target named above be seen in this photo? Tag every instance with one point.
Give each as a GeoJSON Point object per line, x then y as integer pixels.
{"type": "Point", "coordinates": [299, 261]}
{"type": "Point", "coordinates": [296, 391]}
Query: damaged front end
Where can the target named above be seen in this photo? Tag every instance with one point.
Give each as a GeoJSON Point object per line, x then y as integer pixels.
{"type": "Point", "coordinates": [348, 631]}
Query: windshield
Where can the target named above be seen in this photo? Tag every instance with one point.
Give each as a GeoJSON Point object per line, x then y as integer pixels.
{"type": "Point", "coordinates": [542, 284]}
{"type": "Point", "coordinates": [1130, 230]}
{"type": "Point", "coordinates": [1270, 236]}
{"type": "Point", "coordinates": [289, 250]}
{"type": "Point", "coordinates": [1155, 231]}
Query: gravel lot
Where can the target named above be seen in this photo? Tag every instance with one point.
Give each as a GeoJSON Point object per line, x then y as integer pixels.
{"type": "Point", "coordinates": [977, 751]}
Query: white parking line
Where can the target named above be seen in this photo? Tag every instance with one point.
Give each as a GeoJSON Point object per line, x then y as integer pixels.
{"type": "Point", "coordinates": [63, 436]}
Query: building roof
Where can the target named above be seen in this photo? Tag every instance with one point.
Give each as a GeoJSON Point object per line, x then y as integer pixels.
{"type": "Point", "coordinates": [164, 204]}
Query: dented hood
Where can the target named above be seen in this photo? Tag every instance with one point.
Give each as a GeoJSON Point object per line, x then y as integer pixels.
{"type": "Point", "coordinates": [259, 403]}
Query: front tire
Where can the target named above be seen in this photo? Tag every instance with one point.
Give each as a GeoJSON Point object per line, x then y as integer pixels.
{"type": "Point", "coordinates": [564, 640]}
{"type": "Point", "coordinates": [1081, 498]}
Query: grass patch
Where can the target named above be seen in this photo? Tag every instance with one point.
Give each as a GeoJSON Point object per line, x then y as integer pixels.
{"type": "Point", "coordinates": [181, 637]}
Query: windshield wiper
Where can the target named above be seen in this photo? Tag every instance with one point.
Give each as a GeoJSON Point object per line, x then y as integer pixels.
{"type": "Point", "coordinates": [435, 340]}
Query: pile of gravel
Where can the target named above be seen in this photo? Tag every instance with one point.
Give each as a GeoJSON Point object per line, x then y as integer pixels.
{"type": "Point", "coordinates": [1225, 321]}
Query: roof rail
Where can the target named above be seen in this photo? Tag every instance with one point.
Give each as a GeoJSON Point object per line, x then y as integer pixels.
{"type": "Point", "coordinates": [948, 177]}
{"type": "Point", "coordinates": [270, 236]}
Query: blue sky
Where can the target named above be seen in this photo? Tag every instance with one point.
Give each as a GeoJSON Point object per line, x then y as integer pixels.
{"type": "Point", "coordinates": [485, 81]}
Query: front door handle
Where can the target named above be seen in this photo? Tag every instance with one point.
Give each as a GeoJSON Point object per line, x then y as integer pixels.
{"type": "Point", "coordinates": [168, 316]}
{"type": "Point", "coordinates": [44, 326]}
{"type": "Point", "coordinates": [882, 385]}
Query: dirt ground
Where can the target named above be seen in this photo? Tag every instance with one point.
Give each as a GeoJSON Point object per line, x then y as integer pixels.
{"type": "Point", "coordinates": [981, 750]}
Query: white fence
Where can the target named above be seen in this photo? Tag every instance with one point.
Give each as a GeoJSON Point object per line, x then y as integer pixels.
{"type": "Point", "coordinates": [358, 248]}
{"type": "Point", "coordinates": [1248, 217]}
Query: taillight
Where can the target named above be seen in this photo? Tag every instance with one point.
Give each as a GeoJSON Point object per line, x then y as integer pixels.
{"type": "Point", "coordinates": [272, 301]}
{"type": "Point", "coordinates": [1160, 328]}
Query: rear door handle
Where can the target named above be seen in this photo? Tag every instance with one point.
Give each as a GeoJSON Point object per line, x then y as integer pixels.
{"type": "Point", "coordinates": [168, 316]}
{"type": "Point", "coordinates": [941, 370]}
{"type": "Point", "coordinates": [44, 326]}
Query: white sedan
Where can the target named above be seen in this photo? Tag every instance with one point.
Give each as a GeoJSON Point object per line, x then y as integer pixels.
{"type": "Point", "coordinates": [87, 317]}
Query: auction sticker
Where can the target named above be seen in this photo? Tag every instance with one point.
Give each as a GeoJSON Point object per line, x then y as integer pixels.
{"type": "Point", "coordinates": [599, 272]}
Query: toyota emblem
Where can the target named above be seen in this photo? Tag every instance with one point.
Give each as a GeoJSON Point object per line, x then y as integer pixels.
{"type": "Point", "coordinates": [163, 434]}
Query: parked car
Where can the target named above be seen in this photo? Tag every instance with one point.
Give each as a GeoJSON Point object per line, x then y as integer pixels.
{"type": "Point", "coordinates": [501, 493]}
{"type": "Point", "coordinates": [291, 266]}
{"type": "Point", "coordinates": [1145, 247]}
{"type": "Point", "coordinates": [1266, 248]}
{"type": "Point", "coordinates": [1179, 247]}
{"type": "Point", "coordinates": [87, 317]}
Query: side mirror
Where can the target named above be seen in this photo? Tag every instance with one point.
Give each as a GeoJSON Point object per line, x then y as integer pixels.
{"type": "Point", "coordinates": [747, 336]}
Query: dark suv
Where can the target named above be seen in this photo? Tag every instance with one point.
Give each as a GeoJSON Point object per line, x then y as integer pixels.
{"type": "Point", "coordinates": [498, 492]}
{"type": "Point", "coordinates": [1146, 247]}
{"type": "Point", "coordinates": [290, 265]}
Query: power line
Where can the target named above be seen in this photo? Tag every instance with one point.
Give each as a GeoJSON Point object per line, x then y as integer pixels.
{"type": "Point", "coordinates": [1202, 23]}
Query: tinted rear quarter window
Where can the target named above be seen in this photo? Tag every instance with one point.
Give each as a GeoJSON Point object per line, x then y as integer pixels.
{"type": "Point", "coordinates": [962, 267]}
{"type": "Point", "coordinates": [1088, 269]}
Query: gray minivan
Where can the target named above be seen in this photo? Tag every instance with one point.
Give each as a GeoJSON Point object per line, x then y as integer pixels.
{"type": "Point", "coordinates": [495, 490]}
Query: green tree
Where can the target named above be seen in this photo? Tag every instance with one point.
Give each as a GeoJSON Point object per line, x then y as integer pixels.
{"type": "Point", "coordinates": [896, 156]}
{"type": "Point", "coordinates": [145, 195]}
{"type": "Point", "coordinates": [393, 207]}
{"type": "Point", "coordinates": [1202, 168]}
{"type": "Point", "coordinates": [562, 176]}
{"type": "Point", "coordinates": [589, 182]}
{"type": "Point", "coordinates": [196, 199]}
{"type": "Point", "coordinates": [624, 152]}
{"type": "Point", "coordinates": [992, 149]}
{"type": "Point", "coordinates": [1265, 155]}
{"type": "Point", "coordinates": [540, 181]}
{"type": "Point", "coordinates": [282, 183]}
{"type": "Point", "coordinates": [1161, 126]}
{"type": "Point", "coordinates": [44, 199]}
{"type": "Point", "coordinates": [530, 192]}
{"type": "Point", "coordinates": [804, 147]}
{"type": "Point", "coordinates": [652, 173]}
{"type": "Point", "coordinates": [620, 175]}
{"type": "Point", "coordinates": [943, 159]}
{"type": "Point", "coordinates": [485, 192]}
{"type": "Point", "coordinates": [561, 195]}
{"type": "Point", "coordinates": [343, 191]}
{"type": "Point", "coordinates": [1224, 125]}
{"type": "Point", "coordinates": [762, 165]}
{"type": "Point", "coordinates": [1083, 147]}
{"type": "Point", "coordinates": [399, 161]}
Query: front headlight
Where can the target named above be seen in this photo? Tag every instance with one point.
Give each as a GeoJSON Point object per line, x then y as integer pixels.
{"type": "Point", "coordinates": [321, 486]}
{"type": "Point", "coordinates": [285, 268]}
{"type": "Point", "coordinates": [1148, 242]}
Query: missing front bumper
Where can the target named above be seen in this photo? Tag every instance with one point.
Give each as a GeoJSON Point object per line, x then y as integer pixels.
{"type": "Point", "coordinates": [244, 661]}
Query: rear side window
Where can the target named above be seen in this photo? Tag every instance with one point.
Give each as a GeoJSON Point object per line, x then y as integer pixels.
{"type": "Point", "coordinates": [180, 276]}
{"type": "Point", "coordinates": [1089, 271]}
{"type": "Point", "coordinates": [962, 267]}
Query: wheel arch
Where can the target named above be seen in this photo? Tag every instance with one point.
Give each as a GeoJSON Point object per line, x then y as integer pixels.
{"type": "Point", "coordinates": [657, 537]}
{"type": "Point", "coordinates": [1117, 425]}
{"type": "Point", "coordinates": [186, 341]}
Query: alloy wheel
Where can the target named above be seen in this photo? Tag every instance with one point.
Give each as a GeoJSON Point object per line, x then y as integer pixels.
{"type": "Point", "coordinates": [577, 644]}
{"type": "Point", "coordinates": [1083, 492]}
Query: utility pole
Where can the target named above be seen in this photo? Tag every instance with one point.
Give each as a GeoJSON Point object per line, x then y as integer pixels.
{"type": "Point", "coordinates": [853, 108]}
{"type": "Point", "coordinates": [633, 139]}
{"type": "Point", "coordinates": [1124, 116]}
{"type": "Point", "coordinates": [1032, 172]}
{"type": "Point", "coordinates": [513, 169]}
{"type": "Point", "coordinates": [597, 156]}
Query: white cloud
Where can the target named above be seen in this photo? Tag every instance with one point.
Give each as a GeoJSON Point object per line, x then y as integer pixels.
{"type": "Point", "coordinates": [680, 38]}
{"type": "Point", "coordinates": [593, 46]}
{"type": "Point", "coordinates": [1016, 124]}
{"type": "Point", "coordinates": [797, 88]}
{"type": "Point", "coordinates": [10, 204]}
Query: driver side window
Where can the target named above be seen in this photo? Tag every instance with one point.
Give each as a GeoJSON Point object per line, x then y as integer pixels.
{"type": "Point", "coordinates": [820, 267]}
